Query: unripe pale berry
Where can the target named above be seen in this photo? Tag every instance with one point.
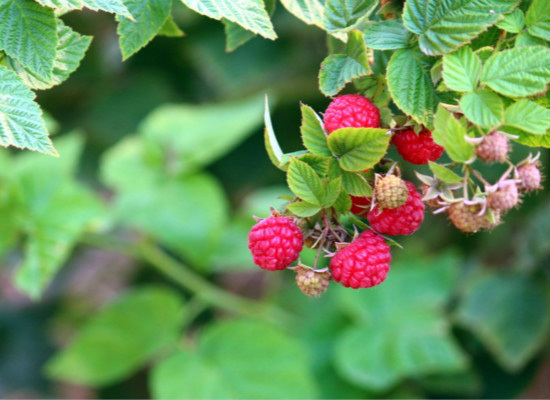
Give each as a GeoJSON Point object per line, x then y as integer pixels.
{"type": "Point", "coordinates": [530, 177]}
{"type": "Point", "coordinates": [493, 148]}
{"type": "Point", "coordinates": [312, 283]}
{"type": "Point", "coordinates": [505, 197]}
{"type": "Point", "coordinates": [390, 192]}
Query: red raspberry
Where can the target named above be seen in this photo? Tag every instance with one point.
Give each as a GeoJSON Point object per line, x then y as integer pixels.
{"type": "Point", "coordinates": [493, 147]}
{"type": "Point", "coordinates": [417, 148]}
{"type": "Point", "coordinates": [403, 220]}
{"type": "Point", "coordinates": [529, 176]}
{"type": "Point", "coordinates": [364, 263]}
{"type": "Point", "coordinates": [360, 205]}
{"type": "Point", "coordinates": [351, 111]}
{"type": "Point", "coordinates": [275, 243]}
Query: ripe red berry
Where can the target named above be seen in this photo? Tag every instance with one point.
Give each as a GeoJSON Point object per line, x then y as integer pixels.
{"type": "Point", "coordinates": [275, 243]}
{"type": "Point", "coordinates": [360, 205]}
{"type": "Point", "coordinates": [403, 220]}
{"type": "Point", "coordinates": [351, 111]}
{"type": "Point", "coordinates": [493, 147]}
{"type": "Point", "coordinates": [362, 264]}
{"type": "Point", "coordinates": [417, 148]}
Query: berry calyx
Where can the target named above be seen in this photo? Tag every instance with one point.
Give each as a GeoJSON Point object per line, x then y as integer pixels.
{"type": "Point", "coordinates": [275, 242]}
{"type": "Point", "coordinates": [504, 197]}
{"type": "Point", "coordinates": [362, 264]}
{"type": "Point", "coordinates": [351, 111]}
{"type": "Point", "coordinates": [403, 220]}
{"type": "Point", "coordinates": [468, 217]}
{"type": "Point", "coordinates": [390, 192]}
{"type": "Point", "coordinates": [529, 176]}
{"type": "Point", "coordinates": [311, 282]}
{"type": "Point", "coordinates": [493, 147]}
{"type": "Point", "coordinates": [417, 148]}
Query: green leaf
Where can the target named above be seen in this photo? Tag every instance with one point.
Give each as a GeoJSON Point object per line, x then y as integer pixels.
{"type": "Point", "coordinates": [444, 25]}
{"type": "Point", "coordinates": [313, 133]}
{"type": "Point", "coordinates": [518, 72]}
{"type": "Point", "coordinates": [538, 19]}
{"type": "Point", "coordinates": [71, 48]}
{"type": "Point", "coordinates": [352, 182]}
{"type": "Point", "coordinates": [28, 33]}
{"type": "Point", "coordinates": [444, 174]}
{"type": "Point", "coordinates": [310, 11]}
{"type": "Point", "coordinates": [272, 146]}
{"type": "Point", "coordinates": [220, 366]}
{"type": "Point", "coordinates": [305, 183]}
{"type": "Point", "coordinates": [318, 163]}
{"type": "Point", "coordinates": [22, 123]}
{"type": "Point", "coordinates": [332, 192]}
{"type": "Point", "coordinates": [189, 135]}
{"type": "Point", "coordinates": [461, 70]}
{"type": "Point", "coordinates": [303, 209]}
{"type": "Point", "coordinates": [339, 69]}
{"type": "Point", "coordinates": [358, 149]}
{"type": "Point", "coordinates": [111, 6]}
{"type": "Point", "coordinates": [415, 96]}
{"type": "Point", "coordinates": [170, 29]}
{"type": "Point", "coordinates": [513, 22]}
{"type": "Point", "coordinates": [115, 342]}
{"type": "Point", "coordinates": [149, 17]}
{"type": "Point", "coordinates": [524, 39]}
{"type": "Point", "coordinates": [342, 203]}
{"type": "Point", "coordinates": [449, 133]}
{"type": "Point", "coordinates": [483, 107]}
{"type": "Point", "coordinates": [236, 36]}
{"type": "Point", "coordinates": [344, 15]}
{"type": "Point", "coordinates": [251, 15]}
{"type": "Point", "coordinates": [528, 116]}
{"type": "Point", "coordinates": [531, 140]}
{"type": "Point", "coordinates": [400, 329]}
{"type": "Point", "coordinates": [387, 35]}
{"type": "Point", "coordinates": [509, 314]}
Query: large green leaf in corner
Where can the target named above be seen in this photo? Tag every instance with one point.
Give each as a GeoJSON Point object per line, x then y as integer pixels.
{"type": "Point", "coordinates": [115, 342]}
{"type": "Point", "coordinates": [112, 6]}
{"type": "Point", "coordinates": [444, 25]}
{"type": "Point", "coordinates": [344, 15]}
{"type": "Point", "coordinates": [22, 122]}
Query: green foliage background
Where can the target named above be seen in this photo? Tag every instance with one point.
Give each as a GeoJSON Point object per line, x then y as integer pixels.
{"type": "Point", "coordinates": [167, 148]}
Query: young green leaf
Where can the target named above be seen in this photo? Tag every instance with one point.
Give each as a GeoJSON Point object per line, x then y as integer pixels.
{"type": "Point", "coordinates": [518, 72]}
{"type": "Point", "coordinates": [332, 191]}
{"type": "Point", "coordinates": [272, 146]}
{"type": "Point", "coordinates": [352, 182]}
{"type": "Point", "coordinates": [358, 149]}
{"type": "Point", "coordinates": [449, 133]}
{"type": "Point", "coordinates": [387, 35]}
{"type": "Point", "coordinates": [120, 339]}
{"type": "Point", "coordinates": [339, 69]}
{"type": "Point", "coordinates": [170, 29]}
{"type": "Point", "coordinates": [444, 174]}
{"type": "Point", "coordinates": [483, 107]}
{"type": "Point", "coordinates": [313, 133]}
{"type": "Point", "coordinates": [528, 139]}
{"type": "Point", "coordinates": [149, 18]}
{"type": "Point", "coordinates": [236, 36]}
{"type": "Point", "coordinates": [444, 25]}
{"type": "Point", "coordinates": [410, 85]}
{"type": "Point", "coordinates": [310, 11]}
{"type": "Point", "coordinates": [305, 183]}
{"type": "Point", "coordinates": [318, 163]}
{"type": "Point", "coordinates": [525, 39]}
{"type": "Point", "coordinates": [251, 15]}
{"type": "Point", "coordinates": [513, 22]}
{"type": "Point", "coordinates": [344, 15]}
{"type": "Point", "coordinates": [70, 51]}
{"type": "Point", "coordinates": [28, 33]}
{"type": "Point", "coordinates": [303, 209]}
{"type": "Point", "coordinates": [342, 203]}
{"type": "Point", "coordinates": [461, 70]}
{"type": "Point", "coordinates": [528, 116]}
{"type": "Point", "coordinates": [111, 6]}
{"type": "Point", "coordinates": [538, 19]}
{"type": "Point", "coordinates": [22, 123]}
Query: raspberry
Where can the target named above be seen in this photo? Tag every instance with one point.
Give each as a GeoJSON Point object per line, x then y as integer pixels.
{"type": "Point", "coordinates": [351, 111]}
{"type": "Point", "coordinates": [362, 264]}
{"type": "Point", "coordinates": [466, 217]}
{"type": "Point", "coordinates": [493, 147]}
{"type": "Point", "coordinates": [505, 197]}
{"type": "Point", "coordinates": [312, 283]}
{"type": "Point", "coordinates": [360, 205]}
{"type": "Point", "coordinates": [417, 148]}
{"type": "Point", "coordinates": [275, 243]}
{"type": "Point", "coordinates": [390, 192]}
{"type": "Point", "coordinates": [530, 177]}
{"type": "Point", "coordinates": [403, 220]}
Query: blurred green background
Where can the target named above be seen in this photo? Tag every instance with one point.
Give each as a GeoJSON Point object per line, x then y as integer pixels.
{"type": "Point", "coordinates": [171, 143]}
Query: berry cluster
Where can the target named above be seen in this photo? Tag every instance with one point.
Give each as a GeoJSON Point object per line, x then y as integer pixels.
{"type": "Point", "coordinates": [388, 204]}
